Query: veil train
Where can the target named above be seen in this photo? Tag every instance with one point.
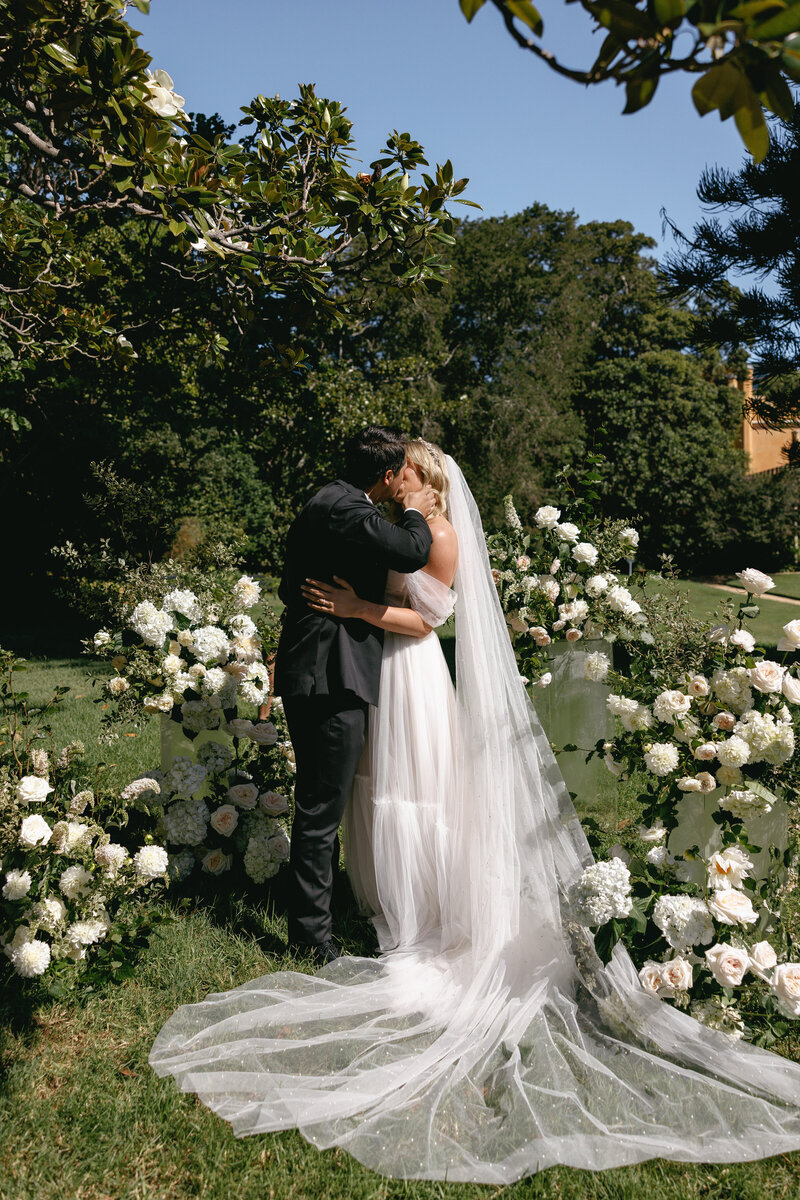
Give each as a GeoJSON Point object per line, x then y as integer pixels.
{"type": "Point", "coordinates": [505, 1046]}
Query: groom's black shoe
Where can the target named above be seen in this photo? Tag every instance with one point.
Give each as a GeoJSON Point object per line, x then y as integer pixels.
{"type": "Point", "coordinates": [320, 954]}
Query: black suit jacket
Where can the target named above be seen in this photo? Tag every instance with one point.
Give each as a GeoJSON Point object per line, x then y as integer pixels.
{"type": "Point", "coordinates": [340, 532]}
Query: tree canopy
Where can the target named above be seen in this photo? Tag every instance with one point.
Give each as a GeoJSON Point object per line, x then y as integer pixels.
{"type": "Point", "coordinates": [742, 52]}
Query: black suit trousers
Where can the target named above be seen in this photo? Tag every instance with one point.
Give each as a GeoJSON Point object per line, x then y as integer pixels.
{"type": "Point", "coordinates": [328, 734]}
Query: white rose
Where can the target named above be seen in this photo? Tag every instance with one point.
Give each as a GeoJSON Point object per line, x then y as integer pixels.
{"type": "Point", "coordinates": [728, 868]}
{"type": "Point", "coordinates": [707, 782]}
{"type": "Point", "coordinates": [151, 862]}
{"type": "Point", "coordinates": [101, 638]}
{"type": "Point", "coordinates": [653, 833]}
{"type": "Point", "coordinates": [547, 517]}
{"type": "Point", "coordinates": [671, 704]}
{"type": "Point", "coordinates": [515, 623]}
{"type": "Point", "coordinates": [247, 591]}
{"type": "Point", "coordinates": [728, 964]}
{"type": "Point", "coordinates": [264, 734]}
{"type": "Point", "coordinates": [31, 789]}
{"type": "Point", "coordinates": [630, 537]}
{"type": "Point", "coordinates": [596, 666]}
{"type": "Point", "coordinates": [742, 640]}
{"type": "Point", "coordinates": [239, 727]}
{"type": "Point", "coordinates": [273, 803]}
{"type": "Point", "coordinates": [689, 784]}
{"type": "Point", "coordinates": [596, 585]}
{"type": "Point", "coordinates": [755, 582]}
{"type": "Point", "coordinates": [767, 676]}
{"type": "Point", "coordinates": [585, 552]}
{"type": "Point", "coordinates": [573, 635]}
{"type": "Point", "coordinates": [523, 562]}
{"type": "Point", "coordinates": [786, 986]}
{"type": "Point", "coordinates": [724, 720]}
{"type": "Point", "coordinates": [732, 907]}
{"type": "Point", "coordinates": [74, 882]}
{"type": "Point", "coordinates": [728, 776]}
{"type": "Point", "coordinates": [676, 974]}
{"type": "Point", "coordinates": [763, 955]}
{"type": "Point", "coordinates": [243, 795]}
{"type": "Point", "coordinates": [650, 977]}
{"type": "Point", "coordinates": [118, 685]}
{"type": "Point", "coordinates": [216, 861]}
{"type": "Point", "coordinates": [34, 831]}
{"type": "Point", "coordinates": [698, 685]}
{"type": "Point", "coordinates": [705, 752]}
{"type": "Point", "coordinates": [551, 589]}
{"type": "Point", "coordinates": [224, 819]}
{"type": "Point", "coordinates": [545, 680]}
{"type": "Point", "coordinates": [568, 532]}
{"type": "Point", "coordinates": [791, 636]}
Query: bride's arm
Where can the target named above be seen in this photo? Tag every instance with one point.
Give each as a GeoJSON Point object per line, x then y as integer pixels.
{"type": "Point", "coordinates": [342, 601]}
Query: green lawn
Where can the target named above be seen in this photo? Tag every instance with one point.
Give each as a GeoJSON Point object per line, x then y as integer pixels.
{"type": "Point", "coordinates": [84, 1118]}
{"type": "Point", "coordinates": [705, 602]}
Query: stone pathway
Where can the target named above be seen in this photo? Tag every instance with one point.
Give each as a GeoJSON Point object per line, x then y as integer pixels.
{"type": "Point", "coordinates": [723, 587]}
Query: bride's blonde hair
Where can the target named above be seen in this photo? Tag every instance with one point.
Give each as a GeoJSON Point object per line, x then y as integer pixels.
{"type": "Point", "coordinates": [429, 461]}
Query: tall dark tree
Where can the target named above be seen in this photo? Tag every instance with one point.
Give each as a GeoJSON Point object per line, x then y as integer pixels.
{"type": "Point", "coordinates": [752, 239]}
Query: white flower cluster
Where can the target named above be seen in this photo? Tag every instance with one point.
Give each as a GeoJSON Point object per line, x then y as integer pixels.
{"type": "Point", "coordinates": [603, 891]}
{"type": "Point", "coordinates": [183, 601]}
{"type": "Point", "coordinates": [768, 740]}
{"type": "Point", "coordinates": [684, 921]}
{"type": "Point", "coordinates": [216, 757]}
{"type": "Point", "coordinates": [661, 758]}
{"type": "Point", "coordinates": [184, 776]}
{"type": "Point", "coordinates": [185, 822]}
{"type": "Point", "coordinates": [742, 803]}
{"type": "Point", "coordinates": [267, 847]}
{"type": "Point", "coordinates": [152, 624]}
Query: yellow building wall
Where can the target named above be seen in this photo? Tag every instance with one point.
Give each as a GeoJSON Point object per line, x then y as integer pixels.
{"type": "Point", "coordinates": [763, 447]}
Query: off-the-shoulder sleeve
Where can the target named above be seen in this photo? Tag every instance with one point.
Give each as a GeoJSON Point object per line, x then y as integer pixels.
{"type": "Point", "coordinates": [434, 601]}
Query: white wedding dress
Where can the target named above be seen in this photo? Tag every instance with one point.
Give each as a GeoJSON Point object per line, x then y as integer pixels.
{"type": "Point", "coordinates": [488, 1041]}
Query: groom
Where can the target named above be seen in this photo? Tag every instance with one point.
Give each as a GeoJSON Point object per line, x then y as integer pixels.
{"type": "Point", "coordinates": [328, 670]}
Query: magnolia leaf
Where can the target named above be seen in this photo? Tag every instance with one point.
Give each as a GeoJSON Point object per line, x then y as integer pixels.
{"type": "Point", "coordinates": [623, 19]}
{"type": "Point", "coordinates": [639, 94]}
{"type": "Point", "coordinates": [778, 26]}
{"type": "Point", "coordinates": [777, 96]}
{"type": "Point", "coordinates": [749, 118]}
{"type": "Point", "coordinates": [524, 11]}
{"type": "Point", "coordinates": [752, 8]}
{"type": "Point", "coordinates": [673, 10]}
{"type": "Point", "coordinates": [470, 7]}
{"type": "Point", "coordinates": [718, 88]}
{"type": "Point", "coordinates": [790, 58]}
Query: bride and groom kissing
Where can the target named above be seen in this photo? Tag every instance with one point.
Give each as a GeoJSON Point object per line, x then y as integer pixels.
{"type": "Point", "coordinates": [488, 1040]}
{"type": "Point", "coordinates": [328, 665]}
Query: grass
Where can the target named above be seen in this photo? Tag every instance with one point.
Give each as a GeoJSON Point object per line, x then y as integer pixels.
{"type": "Point", "coordinates": [84, 1117]}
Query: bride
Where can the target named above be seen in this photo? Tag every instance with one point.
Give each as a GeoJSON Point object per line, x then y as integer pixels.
{"type": "Point", "coordinates": [488, 1041]}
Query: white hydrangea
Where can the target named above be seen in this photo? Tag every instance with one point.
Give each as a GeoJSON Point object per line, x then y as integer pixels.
{"type": "Point", "coordinates": [732, 688]}
{"type": "Point", "coordinates": [684, 921]}
{"type": "Point", "coordinates": [769, 740]}
{"type": "Point", "coordinates": [603, 891]}
{"type": "Point", "coordinates": [216, 757]}
{"type": "Point", "coordinates": [670, 705]}
{"type": "Point", "coordinates": [34, 831]}
{"type": "Point", "coordinates": [111, 857]}
{"type": "Point", "coordinates": [17, 885]}
{"type": "Point", "coordinates": [152, 624]}
{"type": "Point", "coordinates": [75, 882]}
{"type": "Point", "coordinates": [247, 592]}
{"type": "Point", "coordinates": [255, 686]}
{"type": "Point", "coordinates": [184, 776]}
{"type": "Point", "coordinates": [183, 601]}
{"type": "Point", "coordinates": [685, 729]}
{"type": "Point", "coordinates": [259, 862]}
{"type": "Point", "coordinates": [181, 865]}
{"type": "Point", "coordinates": [596, 666]}
{"type": "Point", "coordinates": [242, 626]}
{"type": "Point", "coordinates": [85, 933]}
{"type": "Point", "coordinates": [575, 611]}
{"type": "Point", "coordinates": [31, 958]}
{"type": "Point", "coordinates": [151, 862]}
{"type": "Point", "coordinates": [661, 758]}
{"type": "Point", "coordinates": [742, 804]}
{"type": "Point", "coordinates": [186, 821]}
{"type": "Point", "coordinates": [200, 715]}
{"type": "Point", "coordinates": [210, 644]}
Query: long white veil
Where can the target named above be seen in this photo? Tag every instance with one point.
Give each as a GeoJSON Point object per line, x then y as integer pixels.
{"type": "Point", "coordinates": [509, 1047]}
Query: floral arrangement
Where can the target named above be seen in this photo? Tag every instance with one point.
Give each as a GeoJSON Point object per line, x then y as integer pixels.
{"type": "Point", "coordinates": [558, 583]}
{"type": "Point", "coordinates": [700, 711]}
{"type": "Point", "coordinates": [73, 901]}
{"type": "Point", "coordinates": [194, 655]}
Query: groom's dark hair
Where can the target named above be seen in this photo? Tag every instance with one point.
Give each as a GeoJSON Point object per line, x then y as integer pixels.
{"type": "Point", "coordinates": [373, 452]}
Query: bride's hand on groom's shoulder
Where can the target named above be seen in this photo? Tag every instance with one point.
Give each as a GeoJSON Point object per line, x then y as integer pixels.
{"type": "Point", "coordinates": [339, 600]}
{"type": "Point", "coordinates": [424, 501]}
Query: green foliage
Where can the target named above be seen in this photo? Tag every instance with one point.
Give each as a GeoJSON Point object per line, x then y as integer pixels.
{"type": "Point", "coordinates": [87, 130]}
{"type": "Point", "coordinates": [754, 232]}
{"type": "Point", "coordinates": [743, 52]}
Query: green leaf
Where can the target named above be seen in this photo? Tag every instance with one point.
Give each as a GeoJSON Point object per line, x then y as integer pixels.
{"type": "Point", "coordinates": [752, 8]}
{"type": "Point", "coordinates": [749, 118]}
{"type": "Point", "coordinates": [777, 95]}
{"type": "Point", "coordinates": [639, 93]}
{"type": "Point", "coordinates": [61, 55]}
{"type": "Point", "coordinates": [524, 11]}
{"type": "Point", "coordinates": [790, 58]}
{"type": "Point", "coordinates": [718, 88]}
{"type": "Point", "coordinates": [777, 27]}
{"type": "Point", "coordinates": [606, 938]}
{"type": "Point", "coordinates": [672, 10]}
{"type": "Point", "coordinates": [470, 7]}
{"type": "Point", "coordinates": [623, 19]}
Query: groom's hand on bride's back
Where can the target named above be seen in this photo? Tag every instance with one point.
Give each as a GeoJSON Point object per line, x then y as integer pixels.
{"type": "Point", "coordinates": [424, 501]}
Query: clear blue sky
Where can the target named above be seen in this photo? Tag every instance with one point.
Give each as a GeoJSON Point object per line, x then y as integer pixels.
{"type": "Point", "coordinates": [467, 92]}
